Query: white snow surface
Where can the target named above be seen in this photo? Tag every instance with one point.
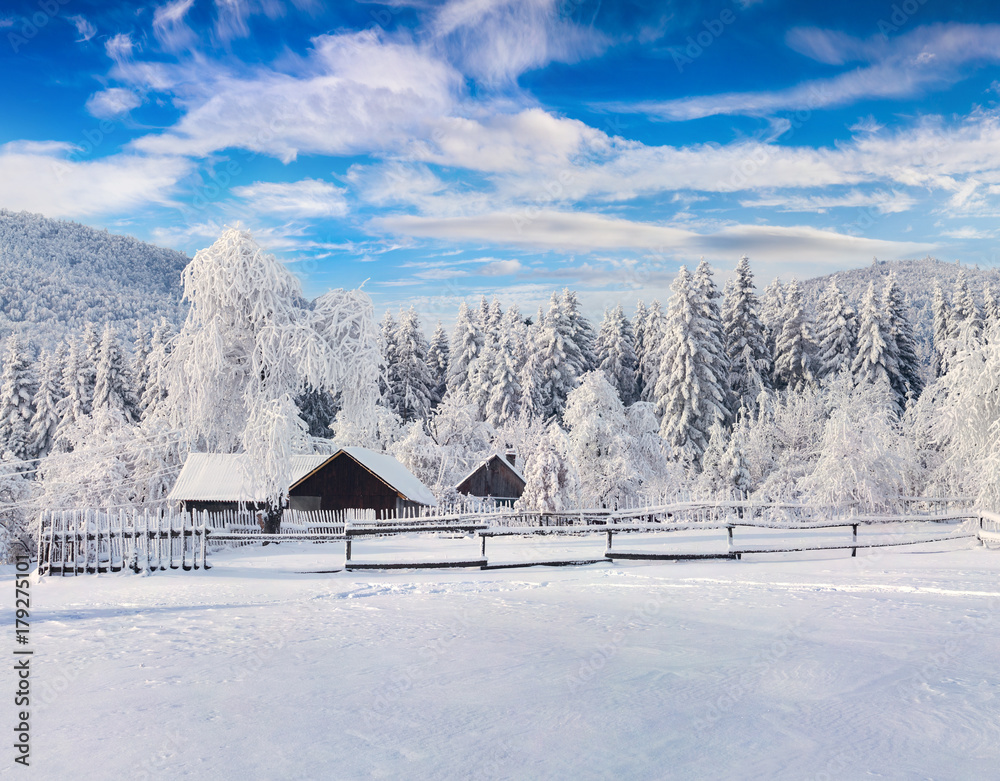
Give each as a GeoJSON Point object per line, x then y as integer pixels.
{"type": "Point", "coordinates": [773, 667]}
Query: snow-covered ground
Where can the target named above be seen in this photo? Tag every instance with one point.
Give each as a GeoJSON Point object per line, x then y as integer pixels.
{"type": "Point", "coordinates": [805, 666]}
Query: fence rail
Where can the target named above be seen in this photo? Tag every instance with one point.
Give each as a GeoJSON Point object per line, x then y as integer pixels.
{"type": "Point", "coordinates": [91, 541]}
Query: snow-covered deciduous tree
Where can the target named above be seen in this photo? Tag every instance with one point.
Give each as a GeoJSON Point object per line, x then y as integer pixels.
{"type": "Point", "coordinates": [45, 419]}
{"type": "Point", "coordinates": [422, 456]}
{"type": "Point", "coordinates": [616, 353]}
{"type": "Point", "coordinates": [466, 347]}
{"type": "Point", "coordinates": [551, 480]}
{"type": "Point", "coordinates": [908, 383]}
{"type": "Point", "coordinates": [465, 438]}
{"type": "Point", "coordinates": [793, 346]}
{"type": "Point", "coordinates": [414, 390]}
{"type": "Point", "coordinates": [836, 332]}
{"type": "Point", "coordinates": [690, 393]}
{"type": "Point", "coordinates": [112, 387]}
{"type": "Point", "coordinates": [864, 461]}
{"type": "Point", "coordinates": [251, 344]}
{"type": "Point", "coordinates": [746, 342]}
{"type": "Point", "coordinates": [17, 393]}
{"type": "Point", "coordinates": [437, 361]}
{"type": "Point", "coordinates": [599, 443]}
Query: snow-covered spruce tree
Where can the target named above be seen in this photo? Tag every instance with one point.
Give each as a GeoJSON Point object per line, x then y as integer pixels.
{"type": "Point", "coordinates": [551, 480]}
{"type": "Point", "coordinates": [599, 443]}
{"type": "Point", "coordinates": [529, 377]}
{"type": "Point", "coordinates": [639, 332]}
{"type": "Point", "coordinates": [92, 349]}
{"type": "Point", "coordinates": [908, 382]}
{"type": "Point", "coordinates": [877, 359]}
{"type": "Point", "coordinates": [466, 347]}
{"type": "Point", "coordinates": [649, 358]}
{"type": "Point", "coordinates": [77, 391]}
{"type": "Point", "coordinates": [746, 343]}
{"type": "Point", "coordinates": [864, 460]}
{"type": "Point", "coordinates": [772, 313]}
{"type": "Point", "coordinates": [793, 347]}
{"type": "Point", "coordinates": [491, 325]}
{"type": "Point", "coordinates": [965, 322]}
{"type": "Point", "coordinates": [616, 353]}
{"type": "Point", "coordinates": [250, 345]}
{"type": "Point", "coordinates": [112, 388]}
{"type": "Point", "coordinates": [45, 402]}
{"type": "Point", "coordinates": [991, 308]}
{"type": "Point", "coordinates": [437, 362]}
{"type": "Point", "coordinates": [836, 332]}
{"type": "Point", "coordinates": [155, 392]}
{"type": "Point", "coordinates": [560, 362]}
{"type": "Point", "coordinates": [714, 355]}
{"type": "Point", "coordinates": [581, 329]}
{"type": "Point", "coordinates": [503, 400]}
{"type": "Point", "coordinates": [414, 390]}
{"type": "Point", "coordinates": [389, 379]}
{"type": "Point", "coordinates": [139, 366]}
{"type": "Point", "coordinates": [942, 331]}
{"type": "Point", "coordinates": [690, 394]}
{"type": "Point", "coordinates": [318, 410]}
{"type": "Point", "coordinates": [17, 393]}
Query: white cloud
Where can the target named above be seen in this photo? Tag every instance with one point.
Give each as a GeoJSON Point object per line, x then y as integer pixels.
{"type": "Point", "coordinates": [113, 102]}
{"type": "Point", "coordinates": [361, 93]}
{"type": "Point", "coordinates": [968, 232]}
{"type": "Point", "coordinates": [495, 41]}
{"type": "Point", "coordinates": [84, 28]}
{"type": "Point", "coordinates": [577, 231]}
{"type": "Point", "coordinates": [500, 268]}
{"type": "Point", "coordinates": [170, 28]}
{"type": "Point", "coordinates": [305, 198]}
{"type": "Point", "coordinates": [44, 180]}
{"type": "Point", "coordinates": [879, 200]}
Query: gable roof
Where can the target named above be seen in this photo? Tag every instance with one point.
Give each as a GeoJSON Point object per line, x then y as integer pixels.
{"type": "Point", "coordinates": [225, 477]}
{"type": "Point", "coordinates": [490, 457]}
{"type": "Point", "coordinates": [390, 472]}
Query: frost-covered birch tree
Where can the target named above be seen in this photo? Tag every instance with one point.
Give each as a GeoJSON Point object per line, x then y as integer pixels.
{"type": "Point", "coordinates": [250, 344]}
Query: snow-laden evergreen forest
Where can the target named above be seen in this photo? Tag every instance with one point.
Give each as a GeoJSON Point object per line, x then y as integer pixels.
{"type": "Point", "coordinates": [712, 391]}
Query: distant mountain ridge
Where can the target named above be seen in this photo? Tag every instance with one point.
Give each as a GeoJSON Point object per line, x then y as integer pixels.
{"type": "Point", "coordinates": [916, 278]}
{"type": "Point", "coordinates": [56, 276]}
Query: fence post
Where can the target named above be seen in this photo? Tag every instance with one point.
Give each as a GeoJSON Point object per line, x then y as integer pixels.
{"type": "Point", "coordinates": [854, 539]}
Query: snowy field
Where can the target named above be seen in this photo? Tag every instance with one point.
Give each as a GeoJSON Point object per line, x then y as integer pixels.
{"type": "Point", "coordinates": [806, 666]}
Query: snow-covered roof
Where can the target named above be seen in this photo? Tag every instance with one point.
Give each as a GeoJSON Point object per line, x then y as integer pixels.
{"type": "Point", "coordinates": [485, 461]}
{"type": "Point", "coordinates": [392, 473]}
{"type": "Point", "coordinates": [225, 477]}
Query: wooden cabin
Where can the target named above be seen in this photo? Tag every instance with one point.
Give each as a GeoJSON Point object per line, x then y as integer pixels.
{"type": "Point", "coordinates": [351, 478]}
{"type": "Point", "coordinates": [496, 478]}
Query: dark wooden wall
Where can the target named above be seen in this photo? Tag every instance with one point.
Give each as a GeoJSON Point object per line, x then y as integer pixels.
{"type": "Point", "coordinates": [494, 478]}
{"type": "Point", "coordinates": [344, 484]}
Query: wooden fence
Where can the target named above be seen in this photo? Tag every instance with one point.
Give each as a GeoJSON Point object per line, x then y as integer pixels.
{"type": "Point", "coordinates": [75, 542]}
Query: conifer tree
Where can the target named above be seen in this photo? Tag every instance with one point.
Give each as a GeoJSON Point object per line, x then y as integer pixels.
{"type": "Point", "coordinates": [965, 323]}
{"type": "Point", "coordinates": [991, 308]}
{"type": "Point", "coordinates": [551, 481]}
{"type": "Point", "coordinates": [45, 402]}
{"type": "Point", "coordinates": [616, 353]}
{"type": "Point", "coordinates": [503, 399]}
{"type": "Point", "coordinates": [942, 331]}
{"type": "Point", "coordinates": [112, 387]}
{"type": "Point", "coordinates": [649, 360]}
{"type": "Point", "coordinates": [907, 383]}
{"type": "Point", "coordinates": [17, 392]}
{"type": "Point", "coordinates": [77, 398]}
{"type": "Point", "coordinates": [836, 332]}
{"type": "Point", "coordinates": [466, 347]}
{"type": "Point", "coordinates": [389, 381]}
{"type": "Point", "coordinates": [690, 396]}
{"type": "Point", "coordinates": [746, 342]}
{"type": "Point", "coordinates": [414, 389]}
{"type": "Point", "coordinates": [714, 354]}
{"type": "Point", "coordinates": [876, 359]}
{"type": "Point", "coordinates": [582, 332]}
{"type": "Point", "coordinates": [772, 313]}
{"type": "Point", "coordinates": [437, 361]}
{"type": "Point", "coordinates": [138, 368]}
{"type": "Point", "coordinates": [793, 346]}
{"type": "Point", "coordinates": [560, 361]}
{"type": "Point", "coordinates": [155, 372]}
{"type": "Point", "coordinates": [639, 331]}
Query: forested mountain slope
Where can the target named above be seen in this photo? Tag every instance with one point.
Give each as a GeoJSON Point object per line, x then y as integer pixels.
{"type": "Point", "coordinates": [55, 276]}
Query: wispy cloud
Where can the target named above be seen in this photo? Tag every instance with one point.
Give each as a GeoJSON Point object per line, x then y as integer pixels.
{"type": "Point", "coordinates": [85, 29]}
{"type": "Point", "coordinates": [303, 199]}
{"type": "Point", "coordinates": [112, 103]}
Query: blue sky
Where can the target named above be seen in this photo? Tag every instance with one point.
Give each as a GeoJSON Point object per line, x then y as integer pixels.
{"type": "Point", "coordinates": [511, 147]}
